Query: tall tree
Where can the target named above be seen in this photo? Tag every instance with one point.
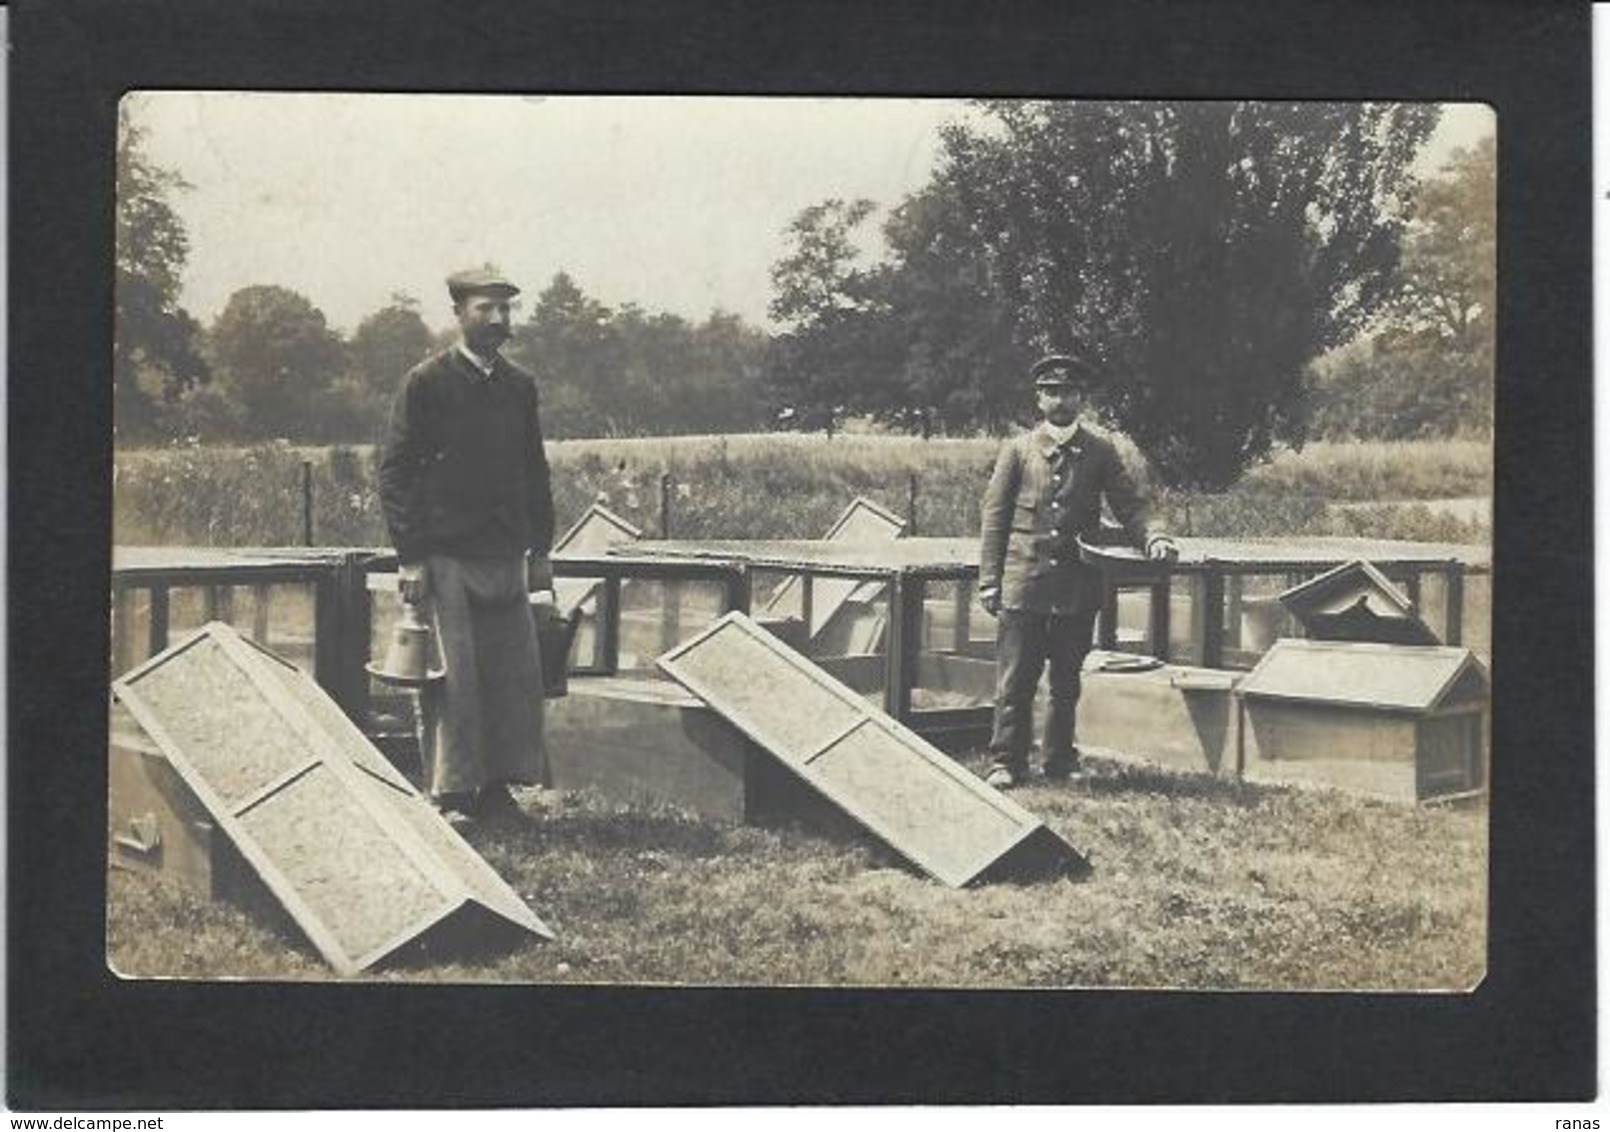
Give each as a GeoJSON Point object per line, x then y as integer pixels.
{"type": "Point", "coordinates": [834, 329]}
{"type": "Point", "coordinates": [1426, 367]}
{"type": "Point", "coordinates": [384, 347]}
{"type": "Point", "coordinates": [722, 391]}
{"type": "Point", "coordinates": [1200, 254]}
{"type": "Point", "coordinates": [155, 355]}
{"type": "Point", "coordinates": [570, 343]}
{"type": "Point", "coordinates": [277, 361]}
{"type": "Point", "coordinates": [962, 354]}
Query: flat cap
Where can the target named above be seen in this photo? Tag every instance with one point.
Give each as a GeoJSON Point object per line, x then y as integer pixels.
{"type": "Point", "coordinates": [1059, 369]}
{"type": "Point", "coordinates": [486, 280]}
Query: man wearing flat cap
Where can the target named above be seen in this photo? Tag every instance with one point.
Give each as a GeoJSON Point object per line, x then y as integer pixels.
{"type": "Point", "coordinates": [465, 489]}
{"type": "Point", "coordinates": [1044, 494]}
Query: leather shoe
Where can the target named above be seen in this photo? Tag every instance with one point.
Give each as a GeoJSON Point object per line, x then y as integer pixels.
{"type": "Point", "coordinates": [1001, 776]}
{"type": "Point", "coordinates": [1060, 767]}
{"type": "Point", "coordinates": [495, 801]}
{"type": "Point", "coordinates": [454, 809]}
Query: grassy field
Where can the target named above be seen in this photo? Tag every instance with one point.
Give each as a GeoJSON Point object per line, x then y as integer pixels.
{"type": "Point", "coordinates": [1196, 883]}
{"type": "Point", "coordinates": [781, 485]}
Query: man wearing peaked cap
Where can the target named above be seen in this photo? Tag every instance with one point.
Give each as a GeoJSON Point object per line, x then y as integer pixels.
{"type": "Point", "coordinates": [486, 280]}
{"type": "Point", "coordinates": [464, 485]}
{"type": "Point", "coordinates": [1060, 369]}
{"type": "Point", "coordinates": [1045, 492]}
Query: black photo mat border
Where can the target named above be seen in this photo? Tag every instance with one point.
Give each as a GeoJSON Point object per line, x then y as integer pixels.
{"type": "Point", "coordinates": [79, 1038]}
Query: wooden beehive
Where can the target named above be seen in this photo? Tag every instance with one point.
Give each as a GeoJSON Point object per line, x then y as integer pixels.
{"type": "Point", "coordinates": [1171, 715]}
{"type": "Point", "coordinates": [930, 810]}
{"type": "Point", "coordinates": [641, 739]}
{"type": "Point", "coordinates": [1356, 602]}
{"type": "Point", "coordinates": [1402, 722]}
{"type": "Point", "coordinates": [155, 823]}
{"type": "Point", "coordinates": [354, 854]}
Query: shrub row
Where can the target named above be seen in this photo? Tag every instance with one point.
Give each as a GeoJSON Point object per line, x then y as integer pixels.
{"type": "Point", "coordinates": [781, 486]}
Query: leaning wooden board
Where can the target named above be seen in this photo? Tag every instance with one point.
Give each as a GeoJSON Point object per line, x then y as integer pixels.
{"type": "Point", "coordinates": [928, 808]}
{"type": "Point", "coordinates": [352, 852]}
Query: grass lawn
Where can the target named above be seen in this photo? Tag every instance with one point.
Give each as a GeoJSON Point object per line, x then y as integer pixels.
{"type": "Point", "coordinates": [1197, 883]}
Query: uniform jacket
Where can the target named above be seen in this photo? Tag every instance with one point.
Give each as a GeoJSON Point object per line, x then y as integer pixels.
{"type": "Point", "coordinates": [1041, 498]}
{"type": "Point", "coordinates": [463, 472]}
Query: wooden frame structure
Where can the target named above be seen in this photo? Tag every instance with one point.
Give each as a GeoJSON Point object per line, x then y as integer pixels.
{"type": "Point", "coordinates": [1213, 575]}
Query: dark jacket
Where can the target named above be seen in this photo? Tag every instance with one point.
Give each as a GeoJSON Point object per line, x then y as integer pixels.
{"type": "Point", "coordinates": [1041, 498]}
{"type": "Point", "coordinates": [463, 471]}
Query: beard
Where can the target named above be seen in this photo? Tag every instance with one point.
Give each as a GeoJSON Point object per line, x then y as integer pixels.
{"type": "Point", "coordinates": [487, 339]}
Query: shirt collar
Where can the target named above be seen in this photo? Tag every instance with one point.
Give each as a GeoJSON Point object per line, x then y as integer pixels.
{"type": "Point", "coordinates": [483, 366]}
{"type": "Point", "coordinates": [1051, 438]}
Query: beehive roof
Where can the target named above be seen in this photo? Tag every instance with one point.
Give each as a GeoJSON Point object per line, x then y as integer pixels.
{"type": "Point", "coordinates": [358, 858]}
{"type": "Point", "coordinates": [1365, 674]}
{"type": "Point", "coordinates": [930, 809]}
{"type": "Point", "coordinates": [1356, 602]}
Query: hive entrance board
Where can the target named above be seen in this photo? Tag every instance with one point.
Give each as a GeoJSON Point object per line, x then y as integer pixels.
{"type": "Point", "coordinates": [907, 792]}
{"type": "Point", "coordinates": [863, 521]}
{"type": "Point", "coordinates": [357, 857]}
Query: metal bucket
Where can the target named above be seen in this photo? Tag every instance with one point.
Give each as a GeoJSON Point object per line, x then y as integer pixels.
{"type": "Point", "coordinates": [556, 632]}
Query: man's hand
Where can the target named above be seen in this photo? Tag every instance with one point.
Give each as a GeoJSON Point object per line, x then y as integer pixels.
{"type": "Point", "coordinates": [990, 599]}
{"type": "Point", "coordinates": [539, 573]}
{"type": "Point", "coordinates": [1161, 548]}
{"type": "Point", "coordinates": [413, 583]}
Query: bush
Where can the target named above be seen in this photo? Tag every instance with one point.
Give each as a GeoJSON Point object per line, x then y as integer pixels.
{"type": "Point", "coordinates": [782, 485]}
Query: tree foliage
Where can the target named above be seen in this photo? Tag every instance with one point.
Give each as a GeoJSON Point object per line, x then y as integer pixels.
{"type": "Point", "coordinates": [962, 354]}
{"type": "Point", "coordinates": [632, 372]}
{"type": "Point", "coordinates": [384, 347]}
{"type": "Point", "coordinates": [835, 335]}
{"type": "Point", "coordinates": [568, 341]}
{"type": "Point", "coordinates": [1200, 254]}
{"type": "Point", "coordinates": [278, 362]}
{"type": "Point", "coordinates": [1426, 367]}
{"type": "Point", "coordinates": [155, 357]}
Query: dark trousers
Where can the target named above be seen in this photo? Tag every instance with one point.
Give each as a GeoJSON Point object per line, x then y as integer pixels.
{"type": "Point", "coordinates": [1025, 643]}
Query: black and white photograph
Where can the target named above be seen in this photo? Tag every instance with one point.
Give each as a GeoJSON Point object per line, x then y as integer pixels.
{"type": "Point", "coordinates": [846, 560]}
{"type": "Point", "coordinates": [810, 542]}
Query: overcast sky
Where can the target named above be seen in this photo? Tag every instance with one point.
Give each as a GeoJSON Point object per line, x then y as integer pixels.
{"type": "Point", "coordinates": [676, 204]}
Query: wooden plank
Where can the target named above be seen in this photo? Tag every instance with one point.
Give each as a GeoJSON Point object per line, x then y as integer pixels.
{"type": "Point", "coordinates": [609, 625]}
{"type": "Point", "coordinates": [260, 715]}
{"type": "Point", "coordinates": [1157, 629]}
{"type": "Point", "coordinates": [383, 783]}
{"type": "Point", "coordinates": [358, 874]}
{"type": "Point", "coordinates": [905, 632]}
{"type": "Point", "coordinates": [257, 856]}
{"type": "Point", "coordinates": [122, 629]}
{"type": "Point", "coordinates": [159, 621]}
{"type": "Point", "coordinates": [1454, 626]}
{"type": "Point", "coordinates": [934, 812]}
{"type": "Point", "coordinates": [1212, 599]}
